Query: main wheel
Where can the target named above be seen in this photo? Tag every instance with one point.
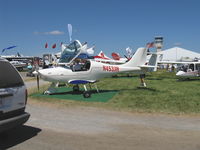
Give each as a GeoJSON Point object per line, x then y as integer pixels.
{"type": "Point", "coordinates": [76, 88]}
{"type": "Point", "coordinates": [86, 94]}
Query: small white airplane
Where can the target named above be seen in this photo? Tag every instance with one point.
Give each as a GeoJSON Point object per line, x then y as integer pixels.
{"type": "Point", "coordinates": [91, 71]}
{"type": "Point", "coordinates": [191, 69]}
{"type": "Point", "coordinates": [185, 69]}
{"type": "Point", "coordinates": [101, 57]}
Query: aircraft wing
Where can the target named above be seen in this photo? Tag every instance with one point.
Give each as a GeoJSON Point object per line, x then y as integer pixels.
{"type": "Point", "coordinates": [109, 60]}
{"type": "Point", "coordinates": [81, 81]}
{"type": "Point", "coordinates": [178, 62]}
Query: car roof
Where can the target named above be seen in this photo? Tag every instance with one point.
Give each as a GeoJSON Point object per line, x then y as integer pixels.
{"type": "Point", "coordinates": [3, 59]}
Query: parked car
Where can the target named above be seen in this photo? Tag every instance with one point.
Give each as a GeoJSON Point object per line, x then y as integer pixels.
{"type": "Point", "coordinates": [13, 97]}
{"type": "Point", "coordinates": [19, 65]}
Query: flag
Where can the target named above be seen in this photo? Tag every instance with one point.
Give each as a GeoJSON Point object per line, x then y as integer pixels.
{"type": "Point", "coordinates": [54, 46]}
{"type": "Point", "coordinates": [129, 51]}
{"type": "Point", "coordinates": [149, 45]}
{"type": "Point", "coordinates": [70, 32]}
{"type": "Point", "coordinates": [18, 54]}
{"type": "Point", "coordinates": [46, 45]}
{"type": "Point", "coordinates": [8, 48]}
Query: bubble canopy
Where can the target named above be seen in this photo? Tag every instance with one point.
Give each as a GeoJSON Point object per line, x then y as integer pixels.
{"type": "Point", "coordinates": [70, 51]}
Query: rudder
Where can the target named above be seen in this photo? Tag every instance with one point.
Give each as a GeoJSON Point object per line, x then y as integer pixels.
{"type": "Point", "coordinates": [138, 59]}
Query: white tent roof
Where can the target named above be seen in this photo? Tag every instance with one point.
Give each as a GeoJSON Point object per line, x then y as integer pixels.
{"type": "Point", "coordinates": [177, 53]}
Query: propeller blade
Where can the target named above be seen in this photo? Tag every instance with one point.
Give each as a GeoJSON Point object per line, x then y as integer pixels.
{"type": "Point", "coordinates": [38, 82]}
{"type": "Point", "coordinates": [125, 56]}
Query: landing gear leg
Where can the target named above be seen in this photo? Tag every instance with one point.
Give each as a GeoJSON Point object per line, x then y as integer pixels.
{"type": "Point", "coordinates": [96, 87]}
{"type": "Point", "coordinates": [76, 88]}
{"type": "Point", "coordinates": [86, 93]}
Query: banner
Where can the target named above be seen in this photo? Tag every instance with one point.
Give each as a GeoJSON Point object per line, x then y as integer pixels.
{"type": "Point", "coordinates": [70, 32]}
{"type": "Point", "coordinates": [8, 48]}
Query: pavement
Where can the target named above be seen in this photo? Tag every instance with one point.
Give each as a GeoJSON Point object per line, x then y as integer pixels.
{"type": "Point", "coordinates": [56, 127]}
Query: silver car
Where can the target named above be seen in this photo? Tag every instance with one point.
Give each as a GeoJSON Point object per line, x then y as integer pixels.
{"type": "Point", "coordinates": [13, 97]}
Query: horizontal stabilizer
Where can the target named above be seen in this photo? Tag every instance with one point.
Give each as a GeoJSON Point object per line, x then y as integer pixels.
{"type": "Point", "coordinates": [147, 66]}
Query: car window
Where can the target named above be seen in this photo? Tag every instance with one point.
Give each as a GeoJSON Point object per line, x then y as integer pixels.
{"type": "Point", "coordinates": [9, 77]}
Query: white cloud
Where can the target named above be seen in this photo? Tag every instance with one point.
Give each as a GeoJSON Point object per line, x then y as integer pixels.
{"type": "Point", "coordinates": [36, 33]}
{"type": "Point", "coordinates": [177, 44]}
{"type": "Point", "coordinates": [55, 32]}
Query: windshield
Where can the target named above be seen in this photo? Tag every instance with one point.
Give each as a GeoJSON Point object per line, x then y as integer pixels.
{"type": "Point", "coordinates": [70, 52]}
{"type": "Point", "coordinates": [9, 77]}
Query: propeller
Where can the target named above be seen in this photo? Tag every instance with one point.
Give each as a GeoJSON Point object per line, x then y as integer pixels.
{"type": "Point", "coordinates": [126, 57]}
{"type": "Point", "coordinates": [38, 82]}
{"type": "Point", "coordinates": [36, 72]}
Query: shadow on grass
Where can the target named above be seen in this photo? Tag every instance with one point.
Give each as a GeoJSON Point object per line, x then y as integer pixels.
{"type": "Point", "coordinates": [124, 76]}
{"type": "Point", "coordinates": [141, 88]}
{"type": "Point", "coordinates": [187, 79]}
{"type": "Point", "coordinates": [17, 135]}
{"type": "Point", "coordinates": [146, 88]}
{"type": "Point", "coordinates": [154, 78]}
{"type": "Point", "coordinates": [81, 92]}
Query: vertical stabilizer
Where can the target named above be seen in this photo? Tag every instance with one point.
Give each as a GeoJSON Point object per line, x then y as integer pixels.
{"type": "Point", "coordinates": [138, 59]}
{"type": "Point", "coordinates": [153, 62]}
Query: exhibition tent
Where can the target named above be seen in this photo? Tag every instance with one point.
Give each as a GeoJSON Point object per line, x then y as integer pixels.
{"type": "Point", "coordinates": [178, 54]}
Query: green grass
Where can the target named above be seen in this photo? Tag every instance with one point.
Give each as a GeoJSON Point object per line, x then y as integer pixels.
{"type": "Point", "coordinates": [164, 93]}
{"type": "Point", "coordinates": [66, 93]}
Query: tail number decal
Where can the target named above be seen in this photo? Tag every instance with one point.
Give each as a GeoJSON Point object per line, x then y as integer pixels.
{"type": "Point", "coordinates": [111, 68]}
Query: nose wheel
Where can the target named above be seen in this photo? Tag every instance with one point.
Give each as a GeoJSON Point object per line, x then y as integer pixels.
{"type": "Point", "coordinates": [86, 94]}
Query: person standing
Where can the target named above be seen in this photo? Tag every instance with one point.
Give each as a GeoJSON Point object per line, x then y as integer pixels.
{"type": "Point", "coordinates": [143, 84]}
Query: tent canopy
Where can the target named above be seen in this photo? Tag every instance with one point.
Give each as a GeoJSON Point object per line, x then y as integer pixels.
{"type": "Point", "coordinates": [177, 53]}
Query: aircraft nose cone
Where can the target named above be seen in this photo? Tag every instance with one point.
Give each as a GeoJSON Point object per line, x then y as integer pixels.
{"type": "Point", "coordinates": [180, 73]}
{"type": "Point", "coordinates": [44, 73]}
{"type": "Point", "coordinates": [49, 74]}
{"type": "Point", "coordinates": [35, 72]}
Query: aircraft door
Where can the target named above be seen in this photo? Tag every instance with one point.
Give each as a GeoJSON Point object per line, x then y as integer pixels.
{"type": "Point", "coordinates": [198, 68]}
{"type": "Point", "coordinates": [191, 66]}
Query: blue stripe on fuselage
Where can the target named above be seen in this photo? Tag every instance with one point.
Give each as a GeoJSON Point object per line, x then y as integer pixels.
{"type": "Point", "coordinates": [79, 82]}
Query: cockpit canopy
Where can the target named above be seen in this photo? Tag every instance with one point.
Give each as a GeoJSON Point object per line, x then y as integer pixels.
{"type": "Point", "coordinates": [70, 51]}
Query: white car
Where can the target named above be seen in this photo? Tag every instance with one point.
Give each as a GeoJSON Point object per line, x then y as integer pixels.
{"type": "Point", "coordinates": [19, 65]}
{"type": "Point", "coordinates": [13, 97]}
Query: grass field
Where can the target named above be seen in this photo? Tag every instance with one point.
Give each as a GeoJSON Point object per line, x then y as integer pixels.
{"type": "Point", "coordinates": [164, 93]}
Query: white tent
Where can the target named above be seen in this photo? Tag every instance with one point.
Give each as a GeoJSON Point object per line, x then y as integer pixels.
{"type": "Point", "coordinates": [177, 53]}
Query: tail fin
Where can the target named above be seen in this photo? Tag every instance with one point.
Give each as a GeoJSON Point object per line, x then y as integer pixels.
{"type": "Point", "coordinates": [138, 59]}
{"type": "Point", "coordinates": [153, 62]}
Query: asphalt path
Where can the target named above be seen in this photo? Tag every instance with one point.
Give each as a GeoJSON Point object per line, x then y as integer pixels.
{"type": "Point", "coordinates": [53, 126]}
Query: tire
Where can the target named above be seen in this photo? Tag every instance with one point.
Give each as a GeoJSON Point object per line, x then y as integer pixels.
{"type": "Point", "coordinates": [86, 94]}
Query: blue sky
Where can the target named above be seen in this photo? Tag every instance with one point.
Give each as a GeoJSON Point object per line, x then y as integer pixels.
{"type": "Point", "coordinates": [110, 25]}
